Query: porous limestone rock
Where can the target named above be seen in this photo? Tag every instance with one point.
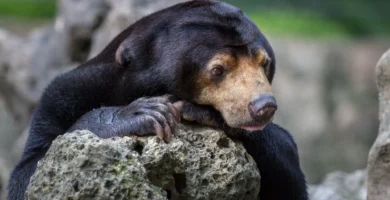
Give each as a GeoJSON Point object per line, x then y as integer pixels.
{"type": "Point", "coordinates": [200, 163]}
{"type": "Point", "coordinates": [378, 181]}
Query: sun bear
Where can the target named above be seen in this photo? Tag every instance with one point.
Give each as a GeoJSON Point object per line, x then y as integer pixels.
{"type": "Point", "coordinates": [214, 64]}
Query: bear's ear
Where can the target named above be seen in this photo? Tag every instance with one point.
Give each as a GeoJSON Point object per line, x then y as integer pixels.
{"type": "Point", "coordinates": [125, 53]}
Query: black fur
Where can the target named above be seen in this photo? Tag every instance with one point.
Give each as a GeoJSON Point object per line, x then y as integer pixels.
{"type": "Point", "coordinates": [157, 55]}
{"type": "Point", "coordinates": [276, 155]}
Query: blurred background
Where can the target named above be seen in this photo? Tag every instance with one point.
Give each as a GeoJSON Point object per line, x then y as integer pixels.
{"type": "Point", "coordinates": [325, 79]}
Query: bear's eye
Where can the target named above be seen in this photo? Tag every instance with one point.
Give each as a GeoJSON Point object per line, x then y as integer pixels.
{"type": "Point", "coordinates": [217, 71]}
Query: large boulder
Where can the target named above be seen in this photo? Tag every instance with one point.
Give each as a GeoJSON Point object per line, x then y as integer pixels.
{"type": "Point", "coordinates": [4, 173]}
{"type": "Point", "coordinates": [13, 106]}
{"type": "Point", "coordinates": [200, 163]}
{"type": "Point", "coordinates": [379, 158]}
{"type": "Point", "coordinates": [341, 186]}
{"type": "Point", "coordinates": [327, 97]}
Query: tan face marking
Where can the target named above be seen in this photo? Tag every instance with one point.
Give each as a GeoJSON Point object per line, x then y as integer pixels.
{"type": "Point", "coordinates": [243, 79]}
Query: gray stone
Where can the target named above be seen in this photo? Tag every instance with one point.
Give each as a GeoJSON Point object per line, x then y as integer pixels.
{"type": "Point", "coordinates": [13, 106]}
{"type": "Point", "coordinates": [78, 22]}
{"type": "Point", "coordinates": [122, 14]}
{"type": "Point", "coordinates": [32, 62]}
{"type": "Point", "coordinates": [200, 163]}
{"type": "Point", "coordinates": [341, 186]}
{"type": "Point", "coordinates": [378, 180]}
{"type": "Point", "coordinates": [26, 67]}
{"type": "Point", "coordinates": [18, 146]}
{"type": "Point", "coordinates": [327, 97]}
{"type": "Point", "coordinates": [4, 174]}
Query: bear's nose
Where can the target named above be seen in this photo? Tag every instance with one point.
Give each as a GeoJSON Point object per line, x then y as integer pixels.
{"type": "Point", "coordinates": [263, 107]}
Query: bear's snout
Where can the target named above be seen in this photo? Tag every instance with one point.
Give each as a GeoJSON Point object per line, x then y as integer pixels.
{"type": "Point", "coordinates": [262, 108]}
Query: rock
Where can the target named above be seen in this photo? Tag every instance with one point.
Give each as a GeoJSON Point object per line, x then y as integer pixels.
{"type": "Point", "coordinates": [122, 14]}
{"type": "Point", "coordinates": [81, 17]}
{"type": "Point", "coordinates": [200, 163]}
{"type": "Point", "coordinates": [32, 62]}
{"type": "Point", "coordinates": [78, 21]}
{"type": "Point", "coordinates": [341, 186]}
{"type": "Point", "coordinates": [378, 180]}
{"type": "Point", "coordinates": [27, 65]}
{"type": "Point", "coordinates": [4, 173]}
{"type": "Point", "coordinates": [18, 146]}
{"type": "Point", "coordinates": [326, 96]}
{"type": "Point", "coordinates": [13, 106]}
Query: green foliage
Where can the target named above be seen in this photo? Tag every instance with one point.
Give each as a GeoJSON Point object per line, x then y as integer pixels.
{"type": "Point", "coordinates": [356, 17]}
{"type": "Point", "coordinates": [297, 24]}
{"type": "Point", "coordinates": [27, 8]}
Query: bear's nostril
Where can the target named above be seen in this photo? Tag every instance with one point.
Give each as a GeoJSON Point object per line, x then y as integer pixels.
{"type": "Point", "coordinates": [267, 111]}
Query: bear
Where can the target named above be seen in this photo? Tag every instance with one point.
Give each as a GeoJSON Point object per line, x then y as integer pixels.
{"type": "Point", "coordinates": [202, 61]}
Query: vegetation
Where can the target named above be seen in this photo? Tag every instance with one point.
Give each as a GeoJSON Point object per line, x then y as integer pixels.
{"type": "Point", "coordinates": [27, 9]}
{"type": "Point", "coordinates": [355, 18]}
{"type": "Point", "coordinates": [297, 24]}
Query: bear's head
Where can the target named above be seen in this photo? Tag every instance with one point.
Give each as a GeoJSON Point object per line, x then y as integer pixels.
{"type": "Point", "coordinates": [206, 52]}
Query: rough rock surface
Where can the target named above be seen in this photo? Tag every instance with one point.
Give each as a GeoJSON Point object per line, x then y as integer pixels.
{"type": "Point", "coordinates": [4, 172]}
{"type": "Point", "coordinates": [378, 180]}
{"type": "Point", "coordinates": [200, 163]}
{"type": "Point", "coordinates": [341, 186]}
{"type": "Point", "coordinates": [13, 106]}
